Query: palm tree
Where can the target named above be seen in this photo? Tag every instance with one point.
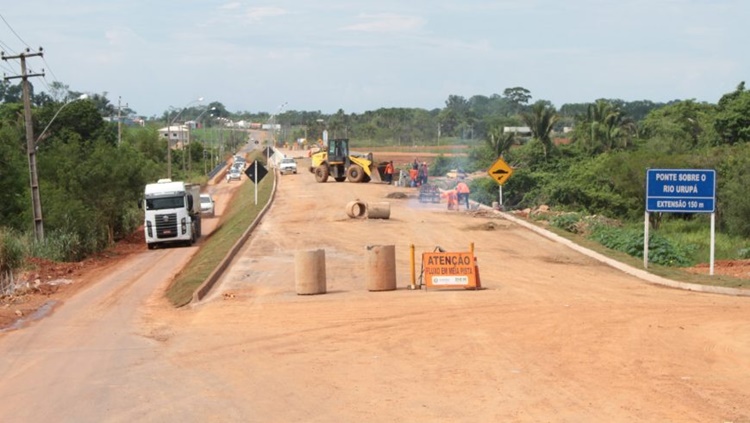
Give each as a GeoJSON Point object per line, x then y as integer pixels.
{"type": "Point", "coordinates": [608, 127]}
{"type": "Point", "coordinates": [540, 119]}
{"type": "Point", "coordinates": [498, 141]}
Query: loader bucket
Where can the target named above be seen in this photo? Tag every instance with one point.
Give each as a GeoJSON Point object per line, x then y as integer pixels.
{"type": "Point", "coordinates": [375, 173]}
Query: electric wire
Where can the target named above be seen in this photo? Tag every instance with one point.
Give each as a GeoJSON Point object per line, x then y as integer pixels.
{"type": "Point", "coordinates": [14, 31]}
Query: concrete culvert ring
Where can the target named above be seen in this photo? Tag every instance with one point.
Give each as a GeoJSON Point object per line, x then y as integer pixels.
{"type": "Point", "coordinates": [356, 209]}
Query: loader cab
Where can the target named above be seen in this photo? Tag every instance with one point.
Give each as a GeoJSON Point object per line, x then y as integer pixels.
{"type": "Point", "coordinates": [338, 150]}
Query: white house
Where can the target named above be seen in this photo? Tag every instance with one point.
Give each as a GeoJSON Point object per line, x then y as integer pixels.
{"type": "Point", "coordinates": [518, 130]}
{"type": "Point", "coordinates": [177, 134]}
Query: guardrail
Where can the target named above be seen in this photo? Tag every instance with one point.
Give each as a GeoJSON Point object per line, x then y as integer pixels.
{"type": "Point", "coordinates": [216, 170]}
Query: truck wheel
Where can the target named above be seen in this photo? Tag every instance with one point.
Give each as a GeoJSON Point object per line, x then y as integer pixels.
{"type": "Point", "coordinates": [355, 173]}
{"type": "Point", "coordinates": [321, 173]}
{"type": "Point", "coordinates": [151, 246]}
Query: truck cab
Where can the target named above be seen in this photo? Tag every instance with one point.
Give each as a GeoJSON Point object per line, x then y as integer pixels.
{"type": "Point", "coordinates": [172, 213]}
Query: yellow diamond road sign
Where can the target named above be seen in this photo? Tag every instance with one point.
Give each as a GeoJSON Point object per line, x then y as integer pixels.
{"type": "Point", "coordinates": [500, 171]}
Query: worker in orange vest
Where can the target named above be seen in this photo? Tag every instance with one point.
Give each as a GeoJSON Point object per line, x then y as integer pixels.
{"type": "Point", "coordinates": [389, 172]}
{"type": "Point", "coordinates": [413, 175]}
{"type": "Point", "coordinates": [450, 196]}
{"type": "Point", "coordinates": [462, 190]}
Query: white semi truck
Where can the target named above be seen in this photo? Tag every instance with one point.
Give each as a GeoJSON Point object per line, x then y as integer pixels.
{"type": "Point", "coordinates": [173, 213]}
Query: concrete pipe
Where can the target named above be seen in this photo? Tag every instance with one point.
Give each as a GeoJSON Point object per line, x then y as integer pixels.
{"type": "Point", "coordinates": [381, 267]}
{"type": "Point", "coordinates": [379, 210]}
{"type": "Point", "coordinates": [356, 208]}
{"type": "Point", "coordinates": [310, 272]}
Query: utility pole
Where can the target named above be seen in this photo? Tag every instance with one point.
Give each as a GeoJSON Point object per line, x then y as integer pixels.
{"type": "Point", "coordinates": [119, 120]}
{"type": "Point", "coordinates": [36, 200]}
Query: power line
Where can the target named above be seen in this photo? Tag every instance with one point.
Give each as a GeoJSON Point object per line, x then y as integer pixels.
{"type": "Point", "coordinates": [6, 47]}
{"type": "Point", "coordinates": [14, 31]}
{"type": "Point", "coordinates": [49, 68]}
{"type": "Point", "coordinates": [10, 50]}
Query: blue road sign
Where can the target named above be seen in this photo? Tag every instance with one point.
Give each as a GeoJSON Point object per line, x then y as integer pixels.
{"type": "Point", "coordinates": [681, 190]}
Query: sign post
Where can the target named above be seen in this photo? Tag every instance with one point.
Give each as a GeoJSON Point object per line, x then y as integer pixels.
{"type": "Point", "coordinates": [255, 173]}
{"type": "Point", "coordinates": [500, 172]}
{"type": "Point", "coordinates": [680, 191]}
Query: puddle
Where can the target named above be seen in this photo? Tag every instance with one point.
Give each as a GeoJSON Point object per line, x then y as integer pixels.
{"type": "Point", "coordinates": [43, 311]}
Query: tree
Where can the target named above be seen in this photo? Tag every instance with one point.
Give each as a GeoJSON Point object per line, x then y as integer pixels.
{"type": "Point", "coordinates": [518, 96]}
{"type": "Point", "coordinates": [14, 177]}
{"type": "Point", "coordinates": [541, 119]}
{"type": "Point", "coordinates": [498, 141]}
{"type": "Point", "coordinates": [733, 116]}
{"type": "Point", "coordinates": [604, 128]}
{"type": "Point", "coordinates": [59, 92]}
{"type": "Point", "coordinates": [680, 127]}
{"type": "Point", "coordinates": [10, 93]}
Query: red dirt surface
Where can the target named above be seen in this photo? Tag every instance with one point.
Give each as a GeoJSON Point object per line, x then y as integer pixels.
{"type": "Point", "coordinates": [47, 281]}
{"type": "Point", "coordinates": [735, 268]}
{"type": "Point", "coordinates": [79, 274]}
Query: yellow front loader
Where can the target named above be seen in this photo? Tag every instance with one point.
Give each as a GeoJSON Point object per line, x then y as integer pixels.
{"type": "Point", "coordinates": [336, 161]}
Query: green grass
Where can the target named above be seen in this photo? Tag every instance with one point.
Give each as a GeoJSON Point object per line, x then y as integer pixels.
{"type": "Point", "coordinates": [241, 212]}
{"type": "Point", "coordinates": [696, 233]}
{"type": "Point", "coordinates": [673, 273]}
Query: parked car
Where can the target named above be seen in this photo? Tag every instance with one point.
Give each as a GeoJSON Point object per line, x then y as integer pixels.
{"type": "Point", "coordinates": [207, 205]}
{"type": "Point", "coordinates": [287, 165]}
{"type": "Point", "coordinates": [234, 175]}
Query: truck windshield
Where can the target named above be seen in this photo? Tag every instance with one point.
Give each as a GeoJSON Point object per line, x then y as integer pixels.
{"type": "Point", "coordinates": [161, 203]}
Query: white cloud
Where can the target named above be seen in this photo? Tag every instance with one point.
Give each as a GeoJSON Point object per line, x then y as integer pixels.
{"type": "Point", "coordinates": [231, 6]}
{"type": "Point", "coordinates": [259, 13]}
{"type": "Point", "coordinates": [385, 22]}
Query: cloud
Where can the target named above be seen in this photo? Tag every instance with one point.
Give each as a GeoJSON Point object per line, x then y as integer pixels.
{"type": "Point", "coordinates": [231, 6]}
{"type": "Point", "coordinates": [259, 13]}
{"type": "Point", "coordinates": [385, 22]}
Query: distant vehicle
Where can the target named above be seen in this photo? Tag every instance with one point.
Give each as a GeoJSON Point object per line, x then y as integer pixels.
{"type": "Point", "coordinates": [455, 174]}
{"type": "Point", "coordinates": [207, 205]}
{"type": "Point", "coordinates": [234, 175]}
{"type": "Point", "coordinates": [288, 165]}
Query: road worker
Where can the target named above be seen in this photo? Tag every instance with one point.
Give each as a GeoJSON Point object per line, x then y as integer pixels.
{"type": "Point", "coordinates": [462, 191]}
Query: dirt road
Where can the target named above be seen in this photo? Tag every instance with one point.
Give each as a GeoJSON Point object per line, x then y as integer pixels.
{"type": "Point", "coordinates": [555, 336]}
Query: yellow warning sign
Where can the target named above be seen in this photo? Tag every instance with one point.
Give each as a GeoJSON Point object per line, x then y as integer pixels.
{"type": "Point", "coordinates": [500, 171]}
{"type": "Point", "coordinates": [449, 270]}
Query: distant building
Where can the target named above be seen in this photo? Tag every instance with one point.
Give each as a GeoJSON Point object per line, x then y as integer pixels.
{"type": "Point", "coordinates": [127, 121]}
{"type": "Point", "coordinates": [176, 134]}
{"type": "Point", "coordinates": [518, 130]}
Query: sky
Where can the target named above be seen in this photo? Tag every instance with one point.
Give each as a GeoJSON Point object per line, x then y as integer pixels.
{"type": "Point", "coordinates": [326, 55]}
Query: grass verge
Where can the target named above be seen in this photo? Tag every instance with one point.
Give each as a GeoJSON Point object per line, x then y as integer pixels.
{"type": "Point", "coordinates": [241, 212]}
{"type": "Point", "coordinates": [673, 273]}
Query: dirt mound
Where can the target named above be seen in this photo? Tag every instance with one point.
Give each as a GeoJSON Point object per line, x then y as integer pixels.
{"type": "Point", "coordinates": [397, 195]}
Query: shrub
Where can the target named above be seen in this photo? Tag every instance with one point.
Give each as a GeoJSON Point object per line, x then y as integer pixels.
{"type": "Point", "coordinates": [630, 241]}
{"type": "Point", "coordinates": [484, 190]}
{"type": "Point", "coordinates": [11, 250]}
{"type": "Point", "coordinates": [567, 221]}
{"type": "Point", "coordinates": [62, 246]}
{"type": "Point", "coordinates": [12, 255]}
